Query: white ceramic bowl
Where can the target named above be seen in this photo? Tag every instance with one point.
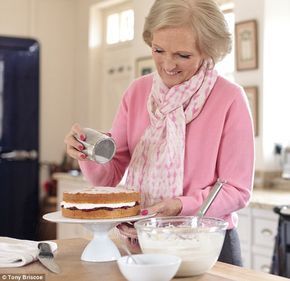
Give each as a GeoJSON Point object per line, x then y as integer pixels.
{"type": "Point", "coordinates": [150, 267]}
{"type": "Point", "coordinates": [198, 241]}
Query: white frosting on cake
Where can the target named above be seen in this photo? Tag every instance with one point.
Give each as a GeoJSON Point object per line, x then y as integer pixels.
{"type": "Point", "coordinates": [101, 190]}
{"type": "Point", "coordinates": [88, 206]}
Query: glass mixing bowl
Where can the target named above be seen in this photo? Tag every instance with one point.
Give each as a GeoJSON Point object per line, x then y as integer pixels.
{"type": "Point", "coordinates": [198, 241]}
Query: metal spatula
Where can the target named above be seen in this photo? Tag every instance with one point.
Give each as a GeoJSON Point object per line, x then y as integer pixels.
{"type": "Point", "coordinates": [211, 196]}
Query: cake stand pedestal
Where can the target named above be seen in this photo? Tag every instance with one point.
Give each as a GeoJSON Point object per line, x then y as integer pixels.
{"type": "Point", "coordinates": [101, 248]}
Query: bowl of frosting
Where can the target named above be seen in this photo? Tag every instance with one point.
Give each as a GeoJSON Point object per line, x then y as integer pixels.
{"type": "Point", "coordinates": [196, 240]}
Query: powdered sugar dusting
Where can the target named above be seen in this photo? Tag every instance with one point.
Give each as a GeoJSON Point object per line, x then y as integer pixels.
{"type": "Point", "coordinates": [101, 190]}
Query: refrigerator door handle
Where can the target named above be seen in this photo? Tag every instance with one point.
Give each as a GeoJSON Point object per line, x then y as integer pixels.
{"type": "Point", "coordinates": [18, 155]}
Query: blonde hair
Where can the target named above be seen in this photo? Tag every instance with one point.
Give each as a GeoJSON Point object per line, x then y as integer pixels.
{"type": "Point", "coordinates": [204, 18]}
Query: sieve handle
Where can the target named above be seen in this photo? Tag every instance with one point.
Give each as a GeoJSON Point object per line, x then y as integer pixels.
{"type": "Point", "coordinates": [211, 196]}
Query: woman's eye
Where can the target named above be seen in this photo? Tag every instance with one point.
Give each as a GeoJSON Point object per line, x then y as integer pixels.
{"type": "Point", "coordinates": [157, 51]}
{"type": "Point", "coordinates": [184, 56]}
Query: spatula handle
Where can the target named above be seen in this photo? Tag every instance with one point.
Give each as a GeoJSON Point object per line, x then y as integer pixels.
{"type": "Point", "coordinates": [211, 196]}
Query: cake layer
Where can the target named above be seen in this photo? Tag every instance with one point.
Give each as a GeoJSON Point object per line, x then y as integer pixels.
{"type": "Point", "coordinates": [101, 213]}
{"type": "Point", "coordinates": [100, 195]}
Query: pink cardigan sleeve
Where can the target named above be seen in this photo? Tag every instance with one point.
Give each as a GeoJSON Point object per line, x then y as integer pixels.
{"type": "Point", "coordinates": [235, 163]}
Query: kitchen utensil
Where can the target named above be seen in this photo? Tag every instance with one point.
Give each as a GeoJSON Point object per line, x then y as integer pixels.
{"type": "Point", "coordinates": [98, 146]}
{"type": "Point", "coordinates": [130, 256]}
{"type": "Point", "coordinates": [211, 196]}
{"type": "Point", "coordinates": [46, 257]}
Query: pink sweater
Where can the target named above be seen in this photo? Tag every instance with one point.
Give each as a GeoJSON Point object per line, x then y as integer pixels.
{"type": "Point", "coordinates": [219, 144]}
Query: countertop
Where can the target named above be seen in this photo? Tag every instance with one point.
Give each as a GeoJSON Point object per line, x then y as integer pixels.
{"type": "Point", "coordinates": [268, 198]}
{"type": "Point", "coordinates": [73, 269]}
{"type": "Point", "coordinates": [261, 198]}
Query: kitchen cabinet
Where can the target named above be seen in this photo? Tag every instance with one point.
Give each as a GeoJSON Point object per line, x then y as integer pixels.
{"type": "Point", "coordinates": [257, 230]}
{"type": "Point", "coordinates": [258, 226]}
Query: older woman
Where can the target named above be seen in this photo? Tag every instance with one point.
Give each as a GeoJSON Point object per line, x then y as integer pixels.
{"type": "Point", "coordinates": [181, 128]}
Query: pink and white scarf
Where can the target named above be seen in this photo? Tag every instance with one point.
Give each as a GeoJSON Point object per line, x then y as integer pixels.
{"type": "Point", "coordinates": [157, 165]}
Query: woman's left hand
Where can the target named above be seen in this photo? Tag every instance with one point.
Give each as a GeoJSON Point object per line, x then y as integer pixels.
{"type": "Point", "coordinates": [167, 207]}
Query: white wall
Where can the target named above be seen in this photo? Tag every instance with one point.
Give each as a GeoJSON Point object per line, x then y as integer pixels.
{"type": "Point", "coordinates": [273, 18]}
{"type": "Point", "coordinates": [276, 93]}
{"type": "Point", "coordinates": [140, 49]}
{"type": "Point", "coordinates": [55, 25]}
{"type": "Point", "coordinates": [16, 17]}
{"type": "Point", "coordinates": [246, 10]}
{"type": "Point", "coordinates": [81, 80]}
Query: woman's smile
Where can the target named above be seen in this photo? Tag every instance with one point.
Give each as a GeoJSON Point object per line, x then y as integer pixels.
{"type": "Point", "coordinates": [172, 73]}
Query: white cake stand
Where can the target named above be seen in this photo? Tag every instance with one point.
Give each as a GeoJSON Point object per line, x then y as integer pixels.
{"type": "Point", "coordinates": [101, 248]}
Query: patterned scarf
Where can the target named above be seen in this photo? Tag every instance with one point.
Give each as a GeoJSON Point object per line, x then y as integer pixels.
{"type": "Point", "coordinates": [157, 165]}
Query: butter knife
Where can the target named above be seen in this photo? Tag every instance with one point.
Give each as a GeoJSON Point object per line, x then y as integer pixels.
{"type": "Point", "coordinates": [45, 256]}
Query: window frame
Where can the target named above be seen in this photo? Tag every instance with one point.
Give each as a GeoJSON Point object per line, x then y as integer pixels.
{"type": "Point", "coordinates": [117, 10]}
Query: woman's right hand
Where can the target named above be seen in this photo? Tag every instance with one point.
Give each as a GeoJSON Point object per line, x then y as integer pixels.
{"type": "Point", "coordinates": [73, 146]}
{"type": "Point", "coordinates": [129, 234]}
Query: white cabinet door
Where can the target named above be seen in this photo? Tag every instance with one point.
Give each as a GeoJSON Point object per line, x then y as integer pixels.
{"type": "Point", "coordinates": [262, 263]}
{"type": "Point", "coordinates": [245, 226]}
{"type": "Point", "coordinates": [245, 235]}
{"type": "Point", "coordinates": [265, 224]}
{"type": "Point", "coordinates": [264, 232]}
{"type": "Point", "coordinates": [257, 229]}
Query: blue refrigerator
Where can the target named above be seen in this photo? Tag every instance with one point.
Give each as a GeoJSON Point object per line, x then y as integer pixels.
{"type": "Point", "coordinates": [19, 137]}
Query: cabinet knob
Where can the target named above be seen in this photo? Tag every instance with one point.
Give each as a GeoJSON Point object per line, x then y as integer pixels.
{"type": "Point", "coordinates": [267, 232]}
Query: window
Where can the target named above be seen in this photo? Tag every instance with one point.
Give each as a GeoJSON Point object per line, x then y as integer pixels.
{"type": "Point", "coordinates": [227, 66]}
{"type": "Point", "coordinates": [120, 27]}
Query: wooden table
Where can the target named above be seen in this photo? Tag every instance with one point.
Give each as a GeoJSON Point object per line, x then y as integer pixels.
{"type": "Point", "coordinates": [73, 269]}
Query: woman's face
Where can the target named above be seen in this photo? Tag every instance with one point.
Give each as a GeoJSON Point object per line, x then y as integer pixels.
{"type": "Point", "coordinates": [175, 54]}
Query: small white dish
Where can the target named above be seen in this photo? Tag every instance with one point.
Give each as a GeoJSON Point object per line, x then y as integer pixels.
{"type": "Point", "coordinates": [149, 267]}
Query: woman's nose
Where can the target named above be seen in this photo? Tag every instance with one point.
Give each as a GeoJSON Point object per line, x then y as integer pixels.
{"type": "Point", "coordinates": [169, 64]}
